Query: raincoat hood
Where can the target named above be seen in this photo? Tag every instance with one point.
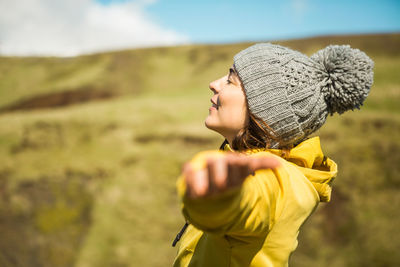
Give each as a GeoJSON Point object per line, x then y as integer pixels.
{"type": "Point", "coordinates": [310, 160]}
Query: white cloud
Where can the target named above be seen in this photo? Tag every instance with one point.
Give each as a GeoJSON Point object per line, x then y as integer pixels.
{"type": "Point", "coordinates": [72, 27]}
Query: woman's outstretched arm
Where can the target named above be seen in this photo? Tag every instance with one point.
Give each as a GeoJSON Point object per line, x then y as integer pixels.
{"type": "Point", "coordinates": [223, 173]}
{"type": "Point", "coordinates": [230, 193]}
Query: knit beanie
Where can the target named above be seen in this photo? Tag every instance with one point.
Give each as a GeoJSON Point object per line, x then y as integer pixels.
{"type": "Point", "coordinates": [294, 93]}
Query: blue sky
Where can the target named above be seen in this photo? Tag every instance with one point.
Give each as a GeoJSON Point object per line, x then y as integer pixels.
{"type": "Point", "coordinates": [227, 21]}
{"type": "Point", "coordinates": [223, 20]}
{"type": "Point", "coordinates": [73, 27]}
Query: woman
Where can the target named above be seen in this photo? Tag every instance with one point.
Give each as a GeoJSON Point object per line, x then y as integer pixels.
{"type": "Point", "coordinates": [244, 204]}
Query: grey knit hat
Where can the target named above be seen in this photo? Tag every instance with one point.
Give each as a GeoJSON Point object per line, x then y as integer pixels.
{"type": "Point", "coordinates": [294, 93]}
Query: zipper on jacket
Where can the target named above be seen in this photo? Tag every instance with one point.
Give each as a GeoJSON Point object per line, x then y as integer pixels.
{"type": "Point", "coordinates": [179, 235]}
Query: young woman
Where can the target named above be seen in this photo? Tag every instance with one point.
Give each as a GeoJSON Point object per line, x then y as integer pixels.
{"type": "Point", "coordinates": [245, 203]}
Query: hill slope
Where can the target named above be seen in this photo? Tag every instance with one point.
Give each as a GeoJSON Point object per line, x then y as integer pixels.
{"type": "Point", "coordinates": [92, 184]}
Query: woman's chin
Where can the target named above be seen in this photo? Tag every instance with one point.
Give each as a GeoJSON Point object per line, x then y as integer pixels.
{"type": "Point", "coordinates": [210, 124]}
{"type": "Point", "coordinates": [207, 124]}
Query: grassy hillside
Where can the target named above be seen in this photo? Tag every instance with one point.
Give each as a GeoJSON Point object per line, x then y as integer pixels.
{"type": "Point", "coordinates": [90, 148]}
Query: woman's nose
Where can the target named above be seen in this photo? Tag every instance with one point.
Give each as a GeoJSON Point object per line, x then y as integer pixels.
{"type": "Point", "coordinates": [213, 86]}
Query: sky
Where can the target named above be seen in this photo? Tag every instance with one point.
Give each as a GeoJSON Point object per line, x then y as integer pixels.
{"type": "Point", "coordinates": [75, 27]}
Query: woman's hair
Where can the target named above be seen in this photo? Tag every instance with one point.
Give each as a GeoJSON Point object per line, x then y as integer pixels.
{"type": "Point", "coordinates": [257, 134]}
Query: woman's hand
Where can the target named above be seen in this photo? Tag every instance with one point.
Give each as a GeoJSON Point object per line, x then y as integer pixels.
{"type": "Point", "coordinates": [222, 173]}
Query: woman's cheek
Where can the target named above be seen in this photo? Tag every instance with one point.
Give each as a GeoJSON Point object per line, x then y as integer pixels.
{"type": "Point", "coordinates": [229, 117]}
{"type": "Point", "coordinates": [235, 113]}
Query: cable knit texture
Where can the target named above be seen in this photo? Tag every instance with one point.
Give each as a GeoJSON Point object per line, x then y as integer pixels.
{"type": "Point", "coordinates": [294, 93]}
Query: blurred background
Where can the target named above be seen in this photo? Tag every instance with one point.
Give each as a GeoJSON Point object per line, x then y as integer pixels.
{"type": "Point", "coordinates": [101, 102]}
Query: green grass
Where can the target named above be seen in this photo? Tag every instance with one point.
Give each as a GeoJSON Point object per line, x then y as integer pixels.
{"type": "Point", "coordinates": [93, 184]}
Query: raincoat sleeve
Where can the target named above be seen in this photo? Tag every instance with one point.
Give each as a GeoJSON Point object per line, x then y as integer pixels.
{"type": "Point", "coordinates": [243, 211]}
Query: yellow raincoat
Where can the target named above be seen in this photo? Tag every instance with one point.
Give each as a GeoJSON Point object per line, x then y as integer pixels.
{"type": "Point", "coordinates": [258, 223]}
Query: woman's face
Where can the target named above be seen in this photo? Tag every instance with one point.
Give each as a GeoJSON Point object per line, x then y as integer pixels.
{"type": "Point", "coordinates": [228, 113]}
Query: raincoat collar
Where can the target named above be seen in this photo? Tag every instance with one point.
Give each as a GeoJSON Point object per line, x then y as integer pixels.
{"type": "Point", "coordinates": [310, 160]}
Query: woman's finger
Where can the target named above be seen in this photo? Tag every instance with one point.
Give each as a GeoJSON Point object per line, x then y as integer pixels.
{"type": "Point", "coordinates": [200, 183]}
{"type": "Point", "coordinates": [187, 172]}
{"type": "Point", "coordinates": [262, 163]}
{"type": "Point", "coordinates": [240, 167]}
{"type": "Point", "coordinates": [235, 165]}
{"type": "Point", "coordinates": [196, 181]}
{"type": "Point", "coordinates": [217, 174]}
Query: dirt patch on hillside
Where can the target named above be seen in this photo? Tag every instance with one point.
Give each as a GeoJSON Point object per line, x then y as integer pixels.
{"type": "Point", "coordinates": [167, 138]}
{"type": "Point", "coordinates": [59, 99]}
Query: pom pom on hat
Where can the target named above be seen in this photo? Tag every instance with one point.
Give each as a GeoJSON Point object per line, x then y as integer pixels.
{"type": "Point", "coordinates": [346, 75]}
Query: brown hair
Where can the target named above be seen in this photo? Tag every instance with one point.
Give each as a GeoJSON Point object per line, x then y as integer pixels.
{"type": "Point", "coordinates": [257, 134]}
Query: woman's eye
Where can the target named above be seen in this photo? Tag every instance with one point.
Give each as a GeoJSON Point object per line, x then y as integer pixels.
{"type": "Point", "coordinates": [228, 82]}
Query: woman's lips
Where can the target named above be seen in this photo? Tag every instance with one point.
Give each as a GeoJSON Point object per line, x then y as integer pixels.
{"type": "Point", "coordinates": [214, 106]}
